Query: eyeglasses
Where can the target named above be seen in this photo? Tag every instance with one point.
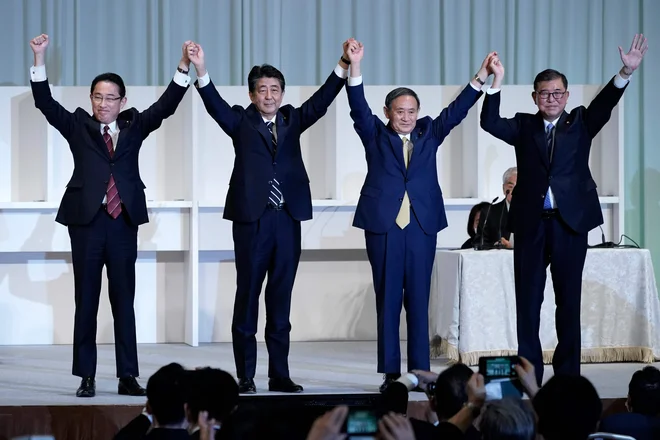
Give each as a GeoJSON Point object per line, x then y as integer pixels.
{"type": "Point", "coordinates": [545, 94]}
{"type": "Point", "coordinates": [111, 99]}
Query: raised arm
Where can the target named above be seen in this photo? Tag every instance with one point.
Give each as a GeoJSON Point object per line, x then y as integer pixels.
{"type": "Point", "coordinates": [600, 109]}
{"type": "Point", "coordinates": [317, 105]}
{"type": "Point", "coordinates": [455, 112]}
{"type": "Point", "coordinates": [227, 118]}
{"type": "Point", "coordinates": [166, 105]}
{"type": "Point", "coordinates": [55, 114]}
{"type": "Point", "coordinates": [504, 129]}
{"type": "Point", "coordinates": [364, 121]}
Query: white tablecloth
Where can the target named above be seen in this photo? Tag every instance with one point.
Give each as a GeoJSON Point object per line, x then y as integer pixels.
{"type": "Point", "coordinates": [472, 309]}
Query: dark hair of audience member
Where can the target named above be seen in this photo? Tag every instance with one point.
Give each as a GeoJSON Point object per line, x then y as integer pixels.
{"type": "Point", "coordinates": [507, 419]}
{"type": "Point", "coordinates": [451, 391]}
{"type": "Point", "coordinates": [165, 395]}
{"type": "Point", "coordinates": [212, 390]}
{"type": "Point", "coordinates": [479, 207]}
{"type": "Point", "coordinates": [568, 407]}
{"type": "Point", "coordinates": [644, 392]}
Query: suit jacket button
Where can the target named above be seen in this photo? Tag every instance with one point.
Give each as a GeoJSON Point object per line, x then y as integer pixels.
{"type": "Point", "coordinates": [274, 164]}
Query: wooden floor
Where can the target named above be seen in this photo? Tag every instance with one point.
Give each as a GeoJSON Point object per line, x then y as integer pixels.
{"type": "Point", "coordinates": [41, 375]}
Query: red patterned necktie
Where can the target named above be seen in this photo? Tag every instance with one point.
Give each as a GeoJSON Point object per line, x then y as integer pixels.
{"type": "Point", "coordinates": [112, 195]}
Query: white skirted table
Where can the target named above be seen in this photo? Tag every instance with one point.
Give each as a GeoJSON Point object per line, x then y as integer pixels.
{"type": "Point", "coordinates": [472, 310]}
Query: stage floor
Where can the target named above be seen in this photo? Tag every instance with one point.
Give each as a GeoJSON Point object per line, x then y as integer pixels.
{"type": "Point", "coordinates": [41, 375]}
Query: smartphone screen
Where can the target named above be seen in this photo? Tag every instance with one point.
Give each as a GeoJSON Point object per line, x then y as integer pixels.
{"type": "Point", "coordinates": [361, 424]}
{"type": "Point", "coordinates": [500, 367]}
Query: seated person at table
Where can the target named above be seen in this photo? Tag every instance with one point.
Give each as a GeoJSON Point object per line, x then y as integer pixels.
{"type": "Point", "coordinates": [473, 223]}
{"type": "Point", "coordinates": [495, 229]}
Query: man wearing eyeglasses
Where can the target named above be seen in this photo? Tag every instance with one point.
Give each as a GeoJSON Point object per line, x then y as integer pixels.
{"type": "Point", "coordinates": [554, 203]}
{"type": "Point", "coordinates": [103, 205]}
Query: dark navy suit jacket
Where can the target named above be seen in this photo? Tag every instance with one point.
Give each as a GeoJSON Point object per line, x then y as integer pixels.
{"type": "Point", "coordinates": [569, 176]}
{"type": "Point", "coordinates": [387, 177]}
{"type": "Point", "coordinates": [92, 163]}
{"type": "Point", "coordinates": [255, 165]}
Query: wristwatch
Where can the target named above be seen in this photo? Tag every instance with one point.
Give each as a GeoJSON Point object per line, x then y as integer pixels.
{"type": "Point", "coordinates": [477, 79]}
{"type": "Point", "coordinates": [345, 60]}
{"type": "Point", "coordinates": [476, 410]}
{"type": "Point", "coordinates": [185, 72]}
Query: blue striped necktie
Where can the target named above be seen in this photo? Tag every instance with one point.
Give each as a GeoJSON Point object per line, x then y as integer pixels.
{"type": "Point", "coordinates": [275, 195]}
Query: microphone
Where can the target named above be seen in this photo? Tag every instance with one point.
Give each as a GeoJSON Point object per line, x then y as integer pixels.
{"type": "Point", "coordinates": [483, 227]}
{"type": "Point", "coordinates": [499, 227]}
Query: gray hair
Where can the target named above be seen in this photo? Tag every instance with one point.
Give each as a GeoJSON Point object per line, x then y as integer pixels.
{"type": "Point", "coordinates": [507, 419]}
{"type": "Point", "coordinates": [508, 173]}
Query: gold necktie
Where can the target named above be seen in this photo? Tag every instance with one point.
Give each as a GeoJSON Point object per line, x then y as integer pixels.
{"type": "Point", "coordinates": [403, 217]}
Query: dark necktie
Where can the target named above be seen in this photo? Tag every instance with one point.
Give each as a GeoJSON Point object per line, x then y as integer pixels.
{"type": "Point", "coordinates": [112, 194]}
{"type": "Point", "coordinates": [549, 135]}
{"type": "Point", "coordinates": [275, 195]}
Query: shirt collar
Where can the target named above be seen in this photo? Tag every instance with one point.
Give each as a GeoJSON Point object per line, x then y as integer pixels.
{"type": "Point", "coordinates": [546, 123]}
{"type": "Point", "coordinates": [112, 127]}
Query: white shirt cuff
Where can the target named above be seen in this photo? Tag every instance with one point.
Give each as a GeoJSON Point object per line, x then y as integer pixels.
{"type": "Point", "coordinates": [38, 73]}
{"type": "Point", "coordinates": [619, 82]}
{"type": "Point", "coordinates": [203, 80]}
{"type": "Point", "coordinates": [409, 380]}
{"type": "Point", "coordinates": [341, 72]}
{"type": "Point", "coordinates": [181, 79]}
{"type": "Point", "coordinates": [492, 91]}
{"type": "Point", "coordinates": [473, 86]}
{"type": "Point", "coordinates": [354, 81]}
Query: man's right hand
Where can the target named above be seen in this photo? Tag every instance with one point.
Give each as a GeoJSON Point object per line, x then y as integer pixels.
{"type": "Point", "coordinates": [38, 45]}
{"type": "Point", "coordinates": [497, 69]}
{"type": "Point", "coordinates": [355, 51]}
{"type": "Point", "coordinates": [196, 56]}
{"type": "Point", "coordinates": [527, 377]}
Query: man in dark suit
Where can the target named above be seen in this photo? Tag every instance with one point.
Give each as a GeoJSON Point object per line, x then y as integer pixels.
{"type": "Point", "coordinates": [555, 203]}
{"type": "Point", "coordinates": [103, 206]}
{"type": "Point", "coordinates": [401, 208]}
{"type": "Point", "coordinates": [495, 229]}
{"type": "Point", "coordinates": [268, 197]}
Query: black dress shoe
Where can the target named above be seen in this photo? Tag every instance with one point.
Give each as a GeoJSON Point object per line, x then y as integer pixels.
{"type": "Point", "coordinates": [128, 386]}
{"type": "Point", "coordinates": [388, 378]}
{"type": "Point", "coordinates": [283, 385]}
{"type": "Point", "coordinates": [246, 386]}
{"type": "Point", "coordinates": [87, 387]}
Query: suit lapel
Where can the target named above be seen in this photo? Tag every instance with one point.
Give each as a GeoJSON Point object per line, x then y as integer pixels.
{"type": "Point", "coordinates": [282, 130]}
{"type": "Point", "coordinates": [539, 139]}
{"type": "Point", "coordinates": [258, 123]}
{"type": "Point", "coordinates": [397, 147]}
{"type": "Point", "coordinates": [415, 137]}
{"type": "Point", "coordinates": [94, 128]}
{"type": "Point", "coordinates": [563, 124]}
{"type": "Point", "coordinates": [120, 148]}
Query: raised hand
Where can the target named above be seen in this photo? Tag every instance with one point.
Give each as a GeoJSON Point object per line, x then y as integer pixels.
{"type": "Point", "coordinates": [184, 52]}
{"type": "Point", "coordinates": [486, 62]}
{"type": "Point", "coordinates": [633, 58]}
{"type": "Point", "coordinates": [355, 51]}
{"type": "Point", "coordinates": [496, 67]}
{"type": "Point", "coordinates": [39, 44]}
{"type": "Point", "coordinates": [195, 54]}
